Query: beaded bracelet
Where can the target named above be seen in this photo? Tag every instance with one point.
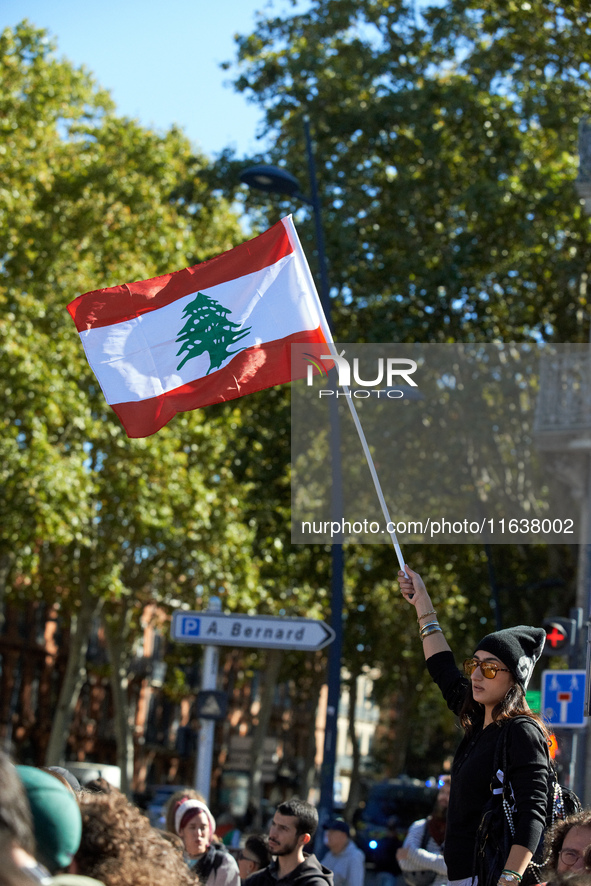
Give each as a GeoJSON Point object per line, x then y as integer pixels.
{"type": "Point", "coordinates": [432, 631]}
{"type": "Point", "coordinates": [431, 612]}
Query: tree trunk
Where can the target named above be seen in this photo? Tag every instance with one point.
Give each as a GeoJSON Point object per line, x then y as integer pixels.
{"type": "Point", "coordinates": [309, 773]}
{"type": "Point", "coordinates": [355, 787]}
{"type": "Point", "coordinates": [5, 566]}
{"type": "Point", "coordinates": [74, 677]}
{"type": "Point", "coordinates": [403, 732]}
{"type": "Point", "coordinates": [273, 664]}
{"type": "Point", "coordinates": [117, 647]}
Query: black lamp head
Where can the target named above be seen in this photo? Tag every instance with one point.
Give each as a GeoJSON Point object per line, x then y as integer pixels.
{"type": "Point", "coordinates": [272, 179]}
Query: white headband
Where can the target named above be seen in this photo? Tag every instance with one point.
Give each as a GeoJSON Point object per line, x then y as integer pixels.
{"type": "Point", "coordinates": [185, 806]}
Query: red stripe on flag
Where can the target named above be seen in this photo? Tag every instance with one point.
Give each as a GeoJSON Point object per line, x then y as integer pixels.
{"type": "Point", "coordinates": [104, 307]}
{"type": "Point", "coordinates": [250, 370]}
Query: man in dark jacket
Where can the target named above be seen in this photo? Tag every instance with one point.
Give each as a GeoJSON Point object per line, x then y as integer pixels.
{"type": "Point", "coordinates": [293, 826]}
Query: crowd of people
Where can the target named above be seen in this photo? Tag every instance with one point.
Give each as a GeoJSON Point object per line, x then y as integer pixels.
{"type": "Point", "coordinates": [54, 832]}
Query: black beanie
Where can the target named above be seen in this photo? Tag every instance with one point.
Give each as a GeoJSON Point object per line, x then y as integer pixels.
{"type": "Point", "coordinates": [519, 648]}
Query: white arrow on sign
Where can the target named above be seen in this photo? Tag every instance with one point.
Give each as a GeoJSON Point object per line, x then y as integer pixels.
{"type": "Point", "coordinates": [264, 631]}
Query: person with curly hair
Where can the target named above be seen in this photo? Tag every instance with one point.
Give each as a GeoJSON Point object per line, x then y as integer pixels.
{"type": "Point", "coordinates": [119, 847]}
{"type": "Point", "coordinates": [576, 879]}
{"type": "Point", "coordinates": [57, 824]}
{"type": "Point", "coordinates": [195, 825]}
{"type": "Point", "coordinates": [568, 845]}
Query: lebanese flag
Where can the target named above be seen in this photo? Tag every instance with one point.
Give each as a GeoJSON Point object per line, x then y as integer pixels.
{"type": "Point", "coordinates": [219, 330]}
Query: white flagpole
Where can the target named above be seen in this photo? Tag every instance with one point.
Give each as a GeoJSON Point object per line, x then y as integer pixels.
{"type": "Point", "coordinates": [370, 463]}
{"type": "Point", "coordinates": [375, 478]}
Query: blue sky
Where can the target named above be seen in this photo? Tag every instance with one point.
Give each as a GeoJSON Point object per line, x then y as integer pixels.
{"type": "Point", "coordinates": [160, 59]}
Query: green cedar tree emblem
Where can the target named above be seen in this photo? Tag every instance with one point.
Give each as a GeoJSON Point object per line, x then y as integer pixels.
{"type": "Point", "coordinates": [208, 329]}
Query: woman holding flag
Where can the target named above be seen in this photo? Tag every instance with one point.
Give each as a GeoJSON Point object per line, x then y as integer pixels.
{"type": "Point", "coordinates": [488, 697]}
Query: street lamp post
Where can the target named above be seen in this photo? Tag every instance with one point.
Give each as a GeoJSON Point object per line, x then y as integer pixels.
{"type": "Point", "coordinates": [583, 187]}
{"type": "Point", "coordinates": [273, 179]}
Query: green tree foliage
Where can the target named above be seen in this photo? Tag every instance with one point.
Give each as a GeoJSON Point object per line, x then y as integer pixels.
{"type": "Point", "coordinates": [88, 517]}
{"type": "Point", "coordinates": [446, 145]}
{"type": "Point", "coordinates": [87, 200]}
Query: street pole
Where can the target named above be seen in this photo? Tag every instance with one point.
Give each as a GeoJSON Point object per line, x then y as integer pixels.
{"type": "Point", "coordinates": [329, 756]}
{"type": "Point", "coordinates": [583, 187]}
{"type": "Point", "coordinates": [275, 179]}
{"type": "Point", "coordinates": [576, 661]}
{"type": "Point", "coordinates": [209, 679]}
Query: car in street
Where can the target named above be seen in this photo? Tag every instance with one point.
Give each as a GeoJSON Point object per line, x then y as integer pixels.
{"type": "Point", "coordinates": [404, 799]}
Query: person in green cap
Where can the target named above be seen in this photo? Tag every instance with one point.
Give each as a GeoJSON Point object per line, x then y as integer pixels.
{"type": "Point", "coordinates": [57, 823]}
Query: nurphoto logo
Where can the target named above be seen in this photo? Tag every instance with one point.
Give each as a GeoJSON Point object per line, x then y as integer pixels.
{"type": "Point", "coordinates": [389, 372]}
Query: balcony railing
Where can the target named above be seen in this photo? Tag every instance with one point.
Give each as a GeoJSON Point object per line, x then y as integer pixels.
{"type": "Point", "coordinates": [564, 398]}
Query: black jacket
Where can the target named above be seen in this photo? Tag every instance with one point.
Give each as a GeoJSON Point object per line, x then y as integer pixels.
{"type": "Point", "coordinates": [309, 873]}
{"type": "Point", "coordinates": [471, 775]}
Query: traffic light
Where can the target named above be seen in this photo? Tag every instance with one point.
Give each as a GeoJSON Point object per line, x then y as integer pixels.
{"type": "Point", "coordinates": [561, 635]}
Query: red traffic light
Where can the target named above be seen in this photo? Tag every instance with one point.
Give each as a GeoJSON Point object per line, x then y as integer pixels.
{"type": "Point", "coordinates": [556, 636]}
{"type": "Point", "coordinates": [560, 635]}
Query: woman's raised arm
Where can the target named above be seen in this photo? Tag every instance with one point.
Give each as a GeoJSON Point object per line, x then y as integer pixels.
{"type": "Point", "coordinates": [414, 591]}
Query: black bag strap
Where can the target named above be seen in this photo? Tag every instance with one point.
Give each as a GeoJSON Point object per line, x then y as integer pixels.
{"type": "Point", "coordinates": [500, 763]}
